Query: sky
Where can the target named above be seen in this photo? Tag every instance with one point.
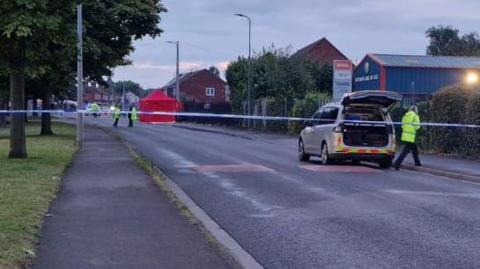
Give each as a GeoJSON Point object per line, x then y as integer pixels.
{"type": "Point", "coordinates": [209, 33]}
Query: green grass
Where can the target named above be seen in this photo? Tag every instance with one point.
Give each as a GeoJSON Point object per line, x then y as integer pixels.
{"type": "Point", "coordinates": [27, 187]}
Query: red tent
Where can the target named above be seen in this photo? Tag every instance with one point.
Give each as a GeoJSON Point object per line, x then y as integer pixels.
{"type": "Point", "coordinates": [158, 102]}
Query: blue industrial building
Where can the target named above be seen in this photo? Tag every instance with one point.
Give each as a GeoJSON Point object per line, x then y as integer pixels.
{"type": "Point", "coordinates": [411, 75]}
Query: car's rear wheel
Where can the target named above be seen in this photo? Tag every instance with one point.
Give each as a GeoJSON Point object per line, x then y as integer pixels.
{"type": "Point", "coordinates": [387, 163]}
{"type": "Point", "coordinates": [325, 157]}
{"type": "Point", "coordinates": [302, 156]}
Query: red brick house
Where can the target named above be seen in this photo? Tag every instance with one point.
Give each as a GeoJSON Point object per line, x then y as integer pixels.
{"type": "Point", "coordinates": [200, 87]}
{"type": "Point", "coordinates": [96, 93]}
{"type": "Point", "coordinates": [321, 52]}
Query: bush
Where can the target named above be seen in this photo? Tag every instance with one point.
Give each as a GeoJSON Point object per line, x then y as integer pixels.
{"type": "Point", "coordinates": [471, 145]}
{"type": "Point", "coordinates": [449, 106]}
{"type": "Point", "coordinates": [276, 108]}
{"type": "Point", "coordinates": [424, 135]}
{"type": "Point", "coordinates": [306, 108]}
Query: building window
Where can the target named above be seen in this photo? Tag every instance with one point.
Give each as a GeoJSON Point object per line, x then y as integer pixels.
{"type": "Point", "coordinates": [171, 92]}
{"type": "Point", "coordinates": [210, 91]}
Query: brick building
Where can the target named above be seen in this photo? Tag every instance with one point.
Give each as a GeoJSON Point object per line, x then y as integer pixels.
{"type": "Point", "coordinates": [200, 87]}
{"type": "Point", "coordinates": [96, 93]}
{"type": "Point", "coordinates": [321, 52]}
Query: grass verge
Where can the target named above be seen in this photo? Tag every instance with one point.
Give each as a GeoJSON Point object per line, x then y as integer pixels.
{"type": "Point", "coordinates": [27, 187]}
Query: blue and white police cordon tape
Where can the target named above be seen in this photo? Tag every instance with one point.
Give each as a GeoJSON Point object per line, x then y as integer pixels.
{"type": "Point", "coordinates": [231, 116]}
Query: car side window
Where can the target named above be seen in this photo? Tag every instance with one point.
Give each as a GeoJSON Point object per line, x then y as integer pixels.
{"type": "Point", "coordinates": [316, 118]}
{"type": "Point", "coordinates": [329, 115]}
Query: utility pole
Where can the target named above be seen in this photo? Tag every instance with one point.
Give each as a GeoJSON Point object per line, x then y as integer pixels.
{"type": "Point", "coordinates": [123, 89]}
{"type": "Point", "coordinates": [249, 86]}
{"type": "Point", "coordinates": [79, 138]}
{"type": "Point", "coordinates": [177, 80]}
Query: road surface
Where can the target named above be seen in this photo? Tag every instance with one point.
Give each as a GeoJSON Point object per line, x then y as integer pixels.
{"type": "Point", "coordinates": [289, 214]}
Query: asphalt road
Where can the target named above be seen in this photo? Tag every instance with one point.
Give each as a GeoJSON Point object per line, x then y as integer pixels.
{"type": "Point", "coordinates": [289, 214]}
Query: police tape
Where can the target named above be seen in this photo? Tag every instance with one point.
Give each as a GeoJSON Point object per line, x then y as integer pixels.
{"type": "Point", "coordinates": [234, 116]}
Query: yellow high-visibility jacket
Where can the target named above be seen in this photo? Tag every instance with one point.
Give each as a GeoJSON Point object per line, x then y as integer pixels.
{"type": "Point", "coordinates": [410, 126]}
{"type": "Point", "coordinates": [116, 113]}
{"type": "Point", "coordinates": [134, 114]}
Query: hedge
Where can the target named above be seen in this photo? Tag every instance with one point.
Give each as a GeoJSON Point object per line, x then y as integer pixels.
{"type": "Point", "coordinates": [449, 105]}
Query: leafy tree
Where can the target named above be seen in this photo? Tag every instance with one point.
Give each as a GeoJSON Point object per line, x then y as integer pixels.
{"type": "Point", "coordinates": [278, 76]}
{"type": "Point", "coordinates": [129, 86]}
{"type": "Point", "coordinates": [20, 23]}
{"type": "Point", "coordinates": [236, 75]}
{"type": "Point", "coordinates": [214, 70]}
{"type": "Point", "coordinates": [111, 26]}
{"type": "Point", "coordinates": [445, 41]}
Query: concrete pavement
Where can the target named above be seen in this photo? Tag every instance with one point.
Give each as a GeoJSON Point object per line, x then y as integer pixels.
{"type": "Point", "coordinates": [110, 214]}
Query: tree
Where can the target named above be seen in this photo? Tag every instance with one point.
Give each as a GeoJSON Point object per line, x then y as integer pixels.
{"type": "Point", "coordinates": [278, 76]}
{"type": "Point", "coordinates": [214, 70]}
{"type": "Point", "coordinates": [128, 86]}
{"type": "Point", "coordinates": [445, 41]}
{"type": "Point", "coordinates": [3, 97]}
{"type": "Point", "coordinates": [20, 22]}
{"type": "Point", "coordinates": [111, 26]}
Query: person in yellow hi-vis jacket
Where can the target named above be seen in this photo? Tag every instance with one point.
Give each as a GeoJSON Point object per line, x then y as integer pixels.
{"type": "Point", "coordinates": [132, 116]}
{"type": "Point", "coordinates": [410, 126]}
{"type": "Point", "coordinates": [116, 115]}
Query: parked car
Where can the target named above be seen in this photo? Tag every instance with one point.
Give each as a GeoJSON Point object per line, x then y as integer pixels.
{"type": "Point", "coordinates": [358, 128]}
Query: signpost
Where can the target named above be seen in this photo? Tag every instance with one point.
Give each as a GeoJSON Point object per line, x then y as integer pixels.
{"type": "Point", "coordinates": [342, 78]}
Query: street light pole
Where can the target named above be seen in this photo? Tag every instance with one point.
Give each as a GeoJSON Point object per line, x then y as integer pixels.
{"type": "Point", "coordinates": [249, 86]}
{"type": "Point", "coordinates": [123, 89]}
{"type": "Point", "coordinates": [177, 82]}
{"type": "Point", "coordinates": [79, 138]}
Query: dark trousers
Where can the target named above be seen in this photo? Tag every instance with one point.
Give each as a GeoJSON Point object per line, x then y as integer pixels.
{"type": "Point", "coordinates": [407, 147]}
{"type": "Point", "coordinates": [115, 123]}
{"type": "Point", "coordinates": [130, 122]}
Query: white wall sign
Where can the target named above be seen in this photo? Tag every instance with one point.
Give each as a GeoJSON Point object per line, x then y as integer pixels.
{"type": "Point", "coordinates": [342, 78]}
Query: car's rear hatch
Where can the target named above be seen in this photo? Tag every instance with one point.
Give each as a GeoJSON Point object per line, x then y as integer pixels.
{"type": "Point", "coordinates": [365, 118]}
{"type": "Point", "coordinates": [383, 99]}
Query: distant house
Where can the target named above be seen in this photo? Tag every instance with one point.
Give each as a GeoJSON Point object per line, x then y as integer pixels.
{"type": "Point", "coordinates": [200, 87]}
{"type": "Point", "coordinates": [321, 52]}
{"type": "Point", "coordinates": [131, 98]}
{"type": "Point", "coordinates": [96, 93]}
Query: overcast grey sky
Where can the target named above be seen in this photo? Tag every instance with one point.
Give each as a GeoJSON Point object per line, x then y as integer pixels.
{"type": "Point", "coordinates": [209, 34]}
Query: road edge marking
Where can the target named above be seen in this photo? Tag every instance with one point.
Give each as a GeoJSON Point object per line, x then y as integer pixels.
{"type": "Point", "coordinates": [242, 256]}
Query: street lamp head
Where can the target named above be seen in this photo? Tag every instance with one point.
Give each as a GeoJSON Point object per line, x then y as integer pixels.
{"type": "Point", "coordinates": [242, 15]}
{"type": "Point", "coordinates": [173, 42]}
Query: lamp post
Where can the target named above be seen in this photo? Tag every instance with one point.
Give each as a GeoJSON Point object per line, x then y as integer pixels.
{"type": "Point", "coordinates": [79, 131]}
{"type": "Point", "coordinates": [177, 80]}
{"type": "Point", "coordinates": [123, 89]}
{"type": "Point", "coordinates": [249, 86]}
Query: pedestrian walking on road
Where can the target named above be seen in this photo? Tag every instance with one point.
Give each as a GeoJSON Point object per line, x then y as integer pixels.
{"type": "Point", "coordinates": [132, 116]}
{"type": "Point", "coordinates": [116, 115]}
{"type": "Point", "coordinates": [410, 126]}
